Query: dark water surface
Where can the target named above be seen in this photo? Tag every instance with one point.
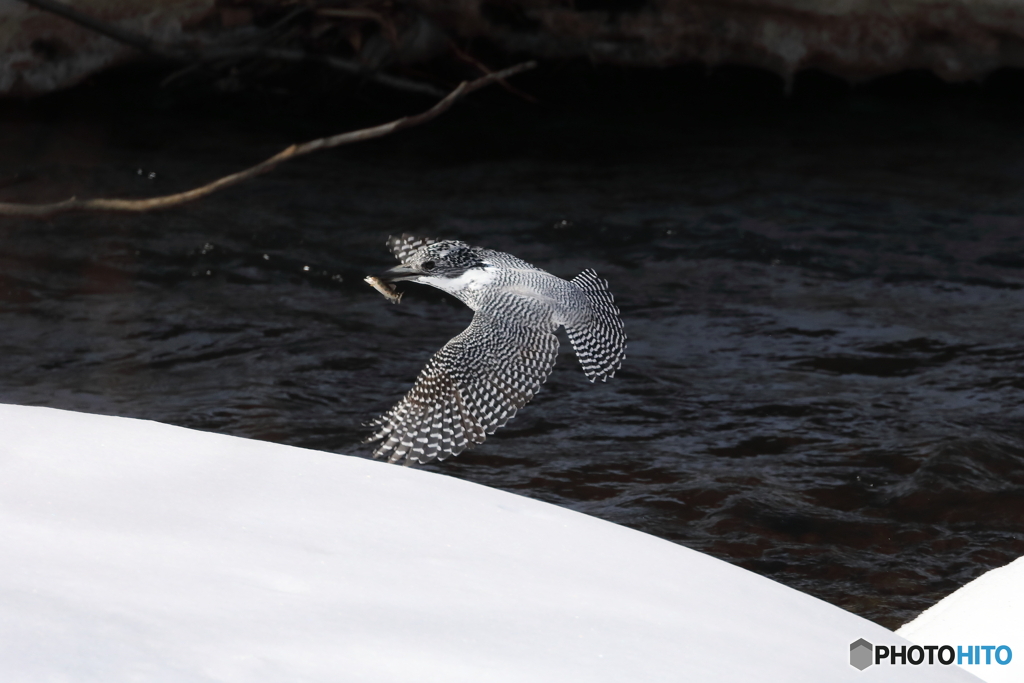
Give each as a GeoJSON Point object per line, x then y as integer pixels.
{"type": "Point", "coordinates": [824, 296]}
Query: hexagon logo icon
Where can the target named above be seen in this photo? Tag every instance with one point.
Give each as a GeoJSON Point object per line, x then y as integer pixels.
{"type": "Point", "coordinates": [860, 654]}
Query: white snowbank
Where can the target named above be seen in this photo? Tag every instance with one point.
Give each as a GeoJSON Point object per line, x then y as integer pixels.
{"type": "Point", "coordinates": [136, 551]}
{"type": "Point", "coordinates": [987, 611]}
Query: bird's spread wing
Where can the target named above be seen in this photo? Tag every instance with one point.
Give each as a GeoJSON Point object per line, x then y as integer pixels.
{"type": "Point", "coordinates": [600, 342]}
{"type": "Point", "coordinates": [403, 245]}
{"type": "Point", "coordinates": [472, 386]}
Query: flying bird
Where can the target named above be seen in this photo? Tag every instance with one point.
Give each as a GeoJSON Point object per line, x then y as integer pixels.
{"type": "Point", "coordinates": [480, 378]}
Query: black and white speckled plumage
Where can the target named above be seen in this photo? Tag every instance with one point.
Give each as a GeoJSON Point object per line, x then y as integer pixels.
{"type": "Point", "coordinates": [480, 378]}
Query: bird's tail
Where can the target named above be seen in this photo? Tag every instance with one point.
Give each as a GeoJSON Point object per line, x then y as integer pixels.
{"type": "Point", "coordinates": [600, 342]}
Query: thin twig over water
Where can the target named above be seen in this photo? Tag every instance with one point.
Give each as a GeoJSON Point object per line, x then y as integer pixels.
{"type": "Point", "coordinates": [167, 201]}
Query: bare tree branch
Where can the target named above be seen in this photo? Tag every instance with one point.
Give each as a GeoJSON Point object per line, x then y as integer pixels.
{"type": "Point", "coordinates": [466, 57]}
{"type": "Point", "coordinates": [155, 203]}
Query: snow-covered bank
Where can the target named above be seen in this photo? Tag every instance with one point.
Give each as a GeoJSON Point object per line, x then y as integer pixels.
{"type": "Point", "coordinates": [987, 611]}
{"type": "Point", "coordinates": [131, 550]}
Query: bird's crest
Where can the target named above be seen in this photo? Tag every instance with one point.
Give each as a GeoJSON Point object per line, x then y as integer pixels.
{"type": "Point", "coordinates": [405, 245]}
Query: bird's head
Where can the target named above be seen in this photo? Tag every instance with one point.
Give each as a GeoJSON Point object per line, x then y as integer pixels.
{"type": "Point", "coordinates": [435, 263]}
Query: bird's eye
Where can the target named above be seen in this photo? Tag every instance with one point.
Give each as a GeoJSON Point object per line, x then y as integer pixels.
{"type": "Point", "coordinates": [427, 265]}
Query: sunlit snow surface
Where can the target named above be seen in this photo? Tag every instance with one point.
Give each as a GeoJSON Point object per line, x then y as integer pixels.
{"type": "Point", "coordinates": [987, 611]}
{"type": "Point", "coordinates": [136, 551]}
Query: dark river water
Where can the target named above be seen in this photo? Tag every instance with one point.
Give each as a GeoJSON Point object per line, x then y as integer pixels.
{"type": "Point", "coordinates": [824, 295]}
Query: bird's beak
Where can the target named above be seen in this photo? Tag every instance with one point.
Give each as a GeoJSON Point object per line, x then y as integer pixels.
{"type": "Point", "coordinates": [399, 273]}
